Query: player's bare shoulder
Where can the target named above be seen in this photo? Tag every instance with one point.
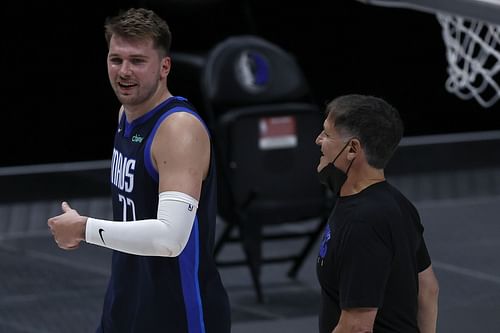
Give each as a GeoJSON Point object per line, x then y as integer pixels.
{"type": "Point", "coordinates": [182, 139]}
{"type": "Point", "coordinates": [183, 129]}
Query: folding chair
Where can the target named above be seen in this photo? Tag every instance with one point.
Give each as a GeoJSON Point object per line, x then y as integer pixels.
{"type": "Point", "coordinates": [264, 125]}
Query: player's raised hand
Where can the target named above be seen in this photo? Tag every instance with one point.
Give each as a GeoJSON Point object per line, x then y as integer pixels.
{"type": "Point", "coordinates": [68, 228]}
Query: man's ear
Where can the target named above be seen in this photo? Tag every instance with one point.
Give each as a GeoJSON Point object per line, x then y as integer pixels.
{"type": "Point", "coordinates": [354, 149]}
{"type": "Point", "coordinates": [166, 64]}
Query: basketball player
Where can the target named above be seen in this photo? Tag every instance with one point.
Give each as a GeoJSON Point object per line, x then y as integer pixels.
{"type": "Point", "coordinates": [373, 267]}
{"type": "Point", "coordinates": [163, 277]}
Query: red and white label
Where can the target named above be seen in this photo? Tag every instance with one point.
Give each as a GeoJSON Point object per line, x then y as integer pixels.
{"type": "Point", "coordinates": [277, 132]}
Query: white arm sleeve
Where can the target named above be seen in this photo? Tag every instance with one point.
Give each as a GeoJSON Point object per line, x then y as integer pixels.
{"type": "Point", "coordinates": [165, 236]}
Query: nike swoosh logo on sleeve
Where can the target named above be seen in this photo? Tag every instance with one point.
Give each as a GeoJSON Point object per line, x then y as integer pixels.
{"type": "Point", "coordinates": [100, 234]}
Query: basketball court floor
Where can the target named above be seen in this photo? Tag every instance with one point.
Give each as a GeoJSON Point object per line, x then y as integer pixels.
{"type": "Point", "coordinates": [46, 290]}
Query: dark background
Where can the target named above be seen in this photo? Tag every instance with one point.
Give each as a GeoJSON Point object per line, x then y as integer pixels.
{"type": "Point", "coordinates": [58, 105]}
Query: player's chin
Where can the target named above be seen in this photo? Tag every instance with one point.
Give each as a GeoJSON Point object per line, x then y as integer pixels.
{"type": "Point", "coordinates": [71, 248]}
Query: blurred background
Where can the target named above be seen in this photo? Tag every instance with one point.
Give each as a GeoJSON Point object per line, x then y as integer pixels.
{"type": "Point", "coordinates": [59, 106]}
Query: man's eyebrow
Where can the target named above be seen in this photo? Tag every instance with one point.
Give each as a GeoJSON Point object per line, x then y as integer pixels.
{"type": "Point", "coordinates": [134, 56]}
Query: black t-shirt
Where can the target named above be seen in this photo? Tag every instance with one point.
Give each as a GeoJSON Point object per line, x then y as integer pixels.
{"type": "Point", "coordinates": [370, 256]}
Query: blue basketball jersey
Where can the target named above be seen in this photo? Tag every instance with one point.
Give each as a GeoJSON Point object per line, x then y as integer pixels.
{"type": "Point", "coordinates": [145, 294]}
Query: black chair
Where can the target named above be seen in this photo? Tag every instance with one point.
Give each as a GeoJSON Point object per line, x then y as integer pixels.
{"type": "Point", "coordinates": [264, 124]}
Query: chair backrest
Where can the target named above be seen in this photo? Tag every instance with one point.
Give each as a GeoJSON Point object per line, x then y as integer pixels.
{"type": "Point", "coordinates": [264, 126]}
{"type": "Point", "coordinates": [249, 70]}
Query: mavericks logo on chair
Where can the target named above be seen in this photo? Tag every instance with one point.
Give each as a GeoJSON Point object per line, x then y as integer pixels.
{"type": "Point", "coordinates": [252, 71]}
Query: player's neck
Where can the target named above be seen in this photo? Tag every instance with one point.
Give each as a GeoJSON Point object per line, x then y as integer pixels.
{"type": "Point", "coordinates": [136, 111]}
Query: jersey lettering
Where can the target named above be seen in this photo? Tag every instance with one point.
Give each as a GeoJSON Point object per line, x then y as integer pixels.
{"type": "Point", "coordinates": [122, 171]}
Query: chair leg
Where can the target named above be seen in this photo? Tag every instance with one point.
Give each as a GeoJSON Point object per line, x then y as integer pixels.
{"type": "Point", "coordinates": [222, 239]}
{"type": "Point", "coordinates": [251, 236]}
{"type": "Point", "coordinates": [292, 273]}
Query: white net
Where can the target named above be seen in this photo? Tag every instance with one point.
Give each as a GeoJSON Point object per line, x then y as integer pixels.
{"type": "Point", "coordinates": [473, 58]}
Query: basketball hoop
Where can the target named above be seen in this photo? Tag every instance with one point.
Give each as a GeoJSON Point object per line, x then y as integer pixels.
{"type": "Point", "coordinates": [473, 54]}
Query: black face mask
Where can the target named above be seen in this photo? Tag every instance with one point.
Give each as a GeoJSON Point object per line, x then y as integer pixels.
{"type": "Point", "coordinates": [331, 176]}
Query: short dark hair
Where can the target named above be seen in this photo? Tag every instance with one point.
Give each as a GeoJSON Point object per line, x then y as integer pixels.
{"type": "Point", "coordinates": [373, 121]}
{"type": "Point", "coordinates": [140, 23]}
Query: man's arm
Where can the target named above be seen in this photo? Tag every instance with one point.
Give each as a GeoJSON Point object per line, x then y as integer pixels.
{"type": "Point", "coordinates": [427, 301]}
{"type": "Point", "coordinates": [356, 320]}
{"type": "Point", "coordinates": [181, 154]}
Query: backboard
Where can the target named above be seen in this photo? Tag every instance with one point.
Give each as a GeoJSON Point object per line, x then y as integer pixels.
{"type": "Point", "coordinates": [485, 10]}
{"type": "Point", "coordinates": [471, 34]}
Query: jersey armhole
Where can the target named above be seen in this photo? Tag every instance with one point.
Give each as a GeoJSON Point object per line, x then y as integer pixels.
{"type": "Point", "coordinates": [148, 160]}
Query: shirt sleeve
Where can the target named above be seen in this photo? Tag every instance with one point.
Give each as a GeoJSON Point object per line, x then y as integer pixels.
{"type": "Point", "coordinates": [365, 265]}
{"type": "Point", "coordinates": [423, 257]}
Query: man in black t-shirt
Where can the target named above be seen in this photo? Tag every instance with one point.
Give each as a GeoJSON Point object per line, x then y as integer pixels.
{"type": "Point", "coordinates": [373, 266]}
